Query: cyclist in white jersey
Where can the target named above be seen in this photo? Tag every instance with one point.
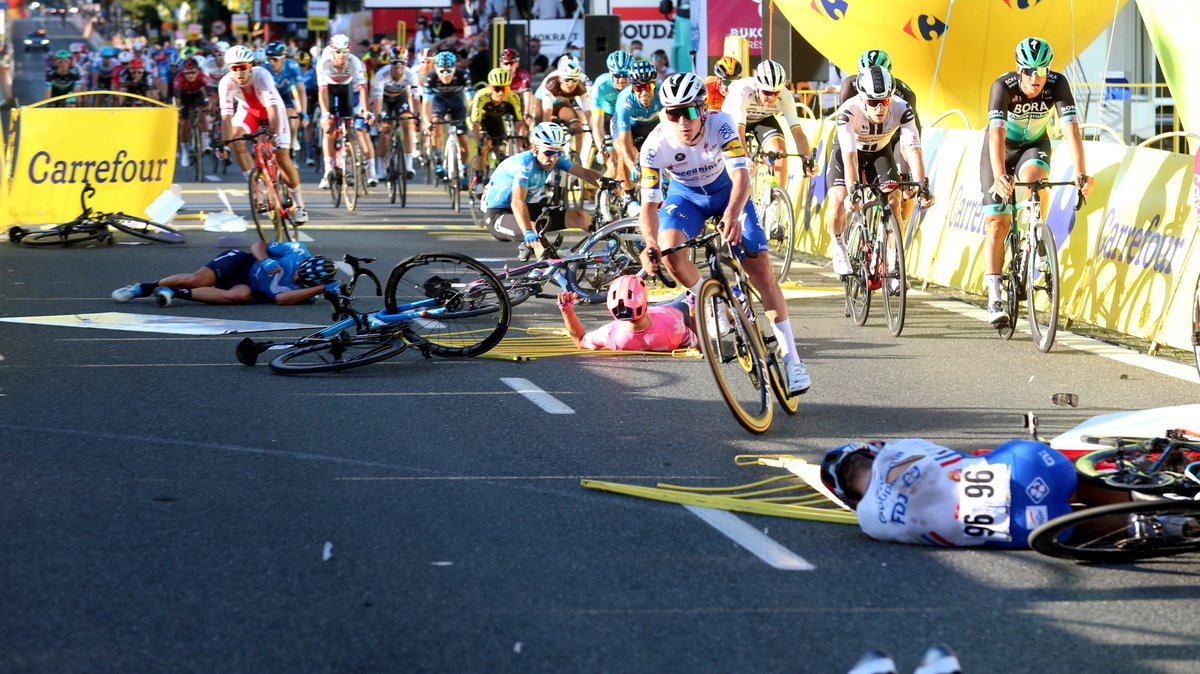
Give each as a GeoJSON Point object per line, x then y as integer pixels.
{"type": "Point", "coordinates": [710, 176]}
{"type": "Point", "coordinates": [753, 102]}
{"type": "Point", "coordinates": [340, 75]}
{"type": "Point", "coordinates": [862, 151]}
{"type": "Point", "coordinates": [394, 89]}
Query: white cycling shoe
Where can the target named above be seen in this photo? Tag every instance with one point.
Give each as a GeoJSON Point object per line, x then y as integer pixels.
{"type": "Point", "coordinates": [841, 263]}
{"type": "Point", "coordinates": [798, 381]}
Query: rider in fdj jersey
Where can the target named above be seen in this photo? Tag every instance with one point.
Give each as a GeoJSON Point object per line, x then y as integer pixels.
{"type": "Point", "coordinates": [446, 90]}
{"type": "Point", "coordinates": [636, 115]}
{"type": "Point", "coordinates": [605, 91]}
{"type": "Point", "coordinates": [512, 189]}
{"type": "Point", "coordinates": [710, 176]}
{"type": "Point", "coordinates": [489, 108]}
{"type": "Point", "coordinates": [1017, 142]}
{"type": "Point", "coordinates": [753, 102]}
{"type": "Point", "coordinates": [338, 72]}
{"type": "Point", "coordinates": [862, 150]}
{"type": "Point", "coordinates": [288, 78]}
{"type": "Point", "coordinates": [393, 97]}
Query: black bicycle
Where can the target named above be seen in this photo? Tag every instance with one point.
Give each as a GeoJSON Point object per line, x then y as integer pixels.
{"type": "Point", "coordinates": [92, 225]}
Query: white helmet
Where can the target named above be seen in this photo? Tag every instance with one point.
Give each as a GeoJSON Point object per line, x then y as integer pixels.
{"type": "Point", "coordinates": [339, 41]}
{"type": "Point", "coordinates": [682, 89]}
{"type": "Point", "coordinates": [569, 67]}
{"type": "Point", "coordinates": [875, 83]}
{"type": "Point", "coordinates": [549, 134]}
{"type": "Point", "coordinates": [239, 54]}
{"type": "Point", "coordinates": [125, 57]}
{"type": "Point", "coordinates": [770, 76]}
{"type": "Point", "coordinates": [220, 47]}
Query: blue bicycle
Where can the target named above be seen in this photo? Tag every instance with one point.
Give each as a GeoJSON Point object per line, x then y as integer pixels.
{"type": "Point", "coordinates": [444, 304]}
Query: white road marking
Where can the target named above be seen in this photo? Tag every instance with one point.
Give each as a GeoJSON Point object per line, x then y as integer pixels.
{"type": "Point", "coordinates": [758, 543]}
{"type": "Point", "coordinates": [328, 552]}
{"type": "Point", "coordinates": [537, 396]}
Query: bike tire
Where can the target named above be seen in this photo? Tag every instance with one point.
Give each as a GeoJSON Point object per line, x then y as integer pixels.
{"type": "Point", "coordinates": [622, 240]}
{"type": "Point", "coordinates": [63, 235]}
{"type": "Point", "coordinates": [1196, 324]}
{"type": "Point", "coordinates": [780, 224]}
{"type": "Point", "coordinates": [350, 172]}
{"type": "Point", "coordinates": [1011, 279]}
{"type": "Point", "coordinates": [145, 229]}
{"type": "Point", "coordinates": [329, 355]}
{"type": "Point", "coordinates": [196, 148]}
{"type": "Point", "coordinates": [1127, 468]}
{"type": "Point", "coordinates": [1041, 288]}
{"type": "Point", "coordinates": [775, 366]}
{"type": "Point", "coordinates": [264, 207]}
{"type": "Point", "coordinates": [477, 307]}
{"type": "Point", "coordinates": [452, 162]}
{"type": "Point", "coordinates": [895, 299]}
{"type": "Point", "coordinates": [1107, 537]}
{"type": "Point", "coordinates": [858, 292]}
{"type": "Point", "coordinates": [735, 357]}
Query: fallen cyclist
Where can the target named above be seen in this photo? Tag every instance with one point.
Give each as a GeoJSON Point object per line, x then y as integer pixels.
{"type": "Point", "coordinates": [283, 273]}
{"type": "Point", "coordinates": [637, 326]}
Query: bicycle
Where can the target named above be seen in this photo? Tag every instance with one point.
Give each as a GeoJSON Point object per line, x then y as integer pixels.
{"type": "Point", "coordinates": [92, 225]}
{"type": "Point", "coordinates": [270, 203]}
{"type": "Point", "coordinates": [486, 165]}
{"type": "Point", "coordinates": [194, 143]}
{"type": "Point", "coordinates": [1032, 268]}
{"type": "Point", "coordinates": [396, 170]}
{"type": "Point", "coordinates": [875, 248]}
{"type": "Point", "coordinates": [349, 167]}
{"type": "Point", "coordinates": [1142, 465]}
{"type": "Point", "coordinates": [1122, 532]}
{"type": "Point", "coordinates": [774, 206]}
{"type": "Point", "coordinates": [443, 304]}
{"type": "Point", "coordinates": [1196, 324]}
{"type": "Point", "coordinates": [219, 164]}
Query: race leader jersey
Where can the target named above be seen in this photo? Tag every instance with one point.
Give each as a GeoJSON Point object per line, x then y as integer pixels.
{"type": "Point", "coordinates": [742, 104]}
{"type": "Point", "coordinates": [856, 130]}
{"type": "Point", "coordinates": [695, 166]}
{"type": "Point", "coordinates": [926, 494]}
{"type": "Point", "coordinates": [1025, 119]}
{"type": "Point", "coordinates": [256, 98]}
{"type": "Point", "coordinates": [604, 94]}
{"type": "Point", "coordinates": [520, 169]}
{"type": "Point", "coordinates": [351, 73]}
{"type": "Point", "coordinates": [454, 89]}
{"type": "Point", "coordinates": [630, 111]}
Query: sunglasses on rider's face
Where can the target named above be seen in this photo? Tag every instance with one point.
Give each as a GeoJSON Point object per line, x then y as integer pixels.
{"type": "Point", "coordinates": [551, 154]}
{"type": "Point", "coordinates": [649, 86]}
{"type": "Point", "coordinates": [239, 67]}
{"type": "Point", "coordinates": [769, 94]}
{"type": "Point", "coordinates": [499, 89]}
{"type": "Point", "coordinates": [508, 63]}
{"type": "Point", "coordinates": [445, 71]}
{"type": "Point", "coordinates": [275, 59]}
{"type": "Point", "coordinates": [1035, 72]}
{"type": "Point", "coordinates": [341, 52]}
{"type": "Point", "coordinates": [684, 112]}
{"type": "Point", "coordinates": [620, 75]}
{"type": "Point", "coordinates": [878, 102]}
{"type": "Point", "coordinates": [136, 72]}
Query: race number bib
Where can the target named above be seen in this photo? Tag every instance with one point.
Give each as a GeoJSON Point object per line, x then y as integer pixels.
{"type": "Point", "coordinates": [983, 502]}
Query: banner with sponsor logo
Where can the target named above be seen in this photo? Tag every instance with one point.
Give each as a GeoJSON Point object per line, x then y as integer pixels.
{"type": "Point", "coordinates": [642, 22]}
{"type": "Point", "coordinates": [735, 17]}
{"type": "Point", "coordinates": [944, 154]}
{"type": "Point", "coordinates": [1172, 26]}
{"type": "Point", "coordinates": [57, 150]}
{"type": "Point", "coordinates": [555, 35]}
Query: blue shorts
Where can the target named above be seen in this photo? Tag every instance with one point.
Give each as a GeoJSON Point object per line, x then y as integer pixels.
{"type": "Point", "coordinates": [232, 268]}
{"type": "Point", "coordinates": [687, 208]}
{"type": "Point", "coordinates": [451, 109]}
{"type": "Point", "coordinates": [1041, 482]}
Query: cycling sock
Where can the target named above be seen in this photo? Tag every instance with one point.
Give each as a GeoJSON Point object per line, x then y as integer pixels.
{"type": "Point", "coordinates": [787, 341]}
{"type": "Point", "coordinates": [297, 198]}
{"type": "Point", "coordinates": [328, 164]}
{"type": "Point", "coordinates": [144, 289]}
{"type": "Point", "coordinates": [695, 288]}
{"type": "Point", "coordinates": [837, 238]}
{"type": "Point", "coordinates": [246, 175]}
{"type": "Point", "coordinates": [182, 293]}
{"type": "Point", "coordinates": [992, 282]}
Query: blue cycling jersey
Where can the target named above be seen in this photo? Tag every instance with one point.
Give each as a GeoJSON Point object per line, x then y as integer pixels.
{"type": "Point", "coordinates": [284, 79]}
{"type": "Point", "coordinates": [604, 94]}
{"type": "Point", "coordinates": [289, 256]}
{"type": "Point", "coordinates": [520, 169]}
{"type": "Point", "coordinates": [310, 81]}
{"type": "Point", "coordinates": [630, 111]}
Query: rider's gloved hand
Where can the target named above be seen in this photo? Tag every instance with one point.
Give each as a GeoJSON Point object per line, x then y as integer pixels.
{"type": "Point", "coordinates": [530, 236]}
{"type": "Point", "coordinates": [333, 287]}
{"type": "Point", "coordinates": [270, 265]}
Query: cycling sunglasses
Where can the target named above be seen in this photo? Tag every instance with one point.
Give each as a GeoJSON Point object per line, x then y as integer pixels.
{"type": "Point", "coordinates": [621, 75]}
{"type": "Point", "coordinates": [688, 111]}
{"type": "Point", "coordinates": [1035, 72]}
{"type": "Point", "coordinates": [276, 58]}
{"type": "Point", "coordinates": [878, 102]}
{"type": "Point", "coordinates": [551, 154]}
{"type": "Point", "coordinates": [239, 67]}
{"type": "Point", "coordinates": [768, 94]}
{"type": "Point", "coordinates": [341, 52]}
{"type": "Point", "coordinates": [509, 63]}
{"type": "Point", "coordinates": [499, 89]}
{"type": "Point", "coordinates": [445, 71]}
{"type": "Point", "coordinates": [136, 72]}
{"type": "Point", "coordinates": [649, 86]}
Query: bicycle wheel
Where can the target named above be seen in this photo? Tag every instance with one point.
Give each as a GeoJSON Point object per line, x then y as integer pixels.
{"type": "Point", "coordinates": [1196, 324]}
{"type": "Point", "coordinates": [475, 193]}
{"type": "Point", "coordinates": [195, 147]}
{"type": "Point", "coordinates": [894, 289]}
{"type": "Point", "coordinates": [1130, 467]}
{"type": "Point", "coordinates": [1121, 532]}
{"type": "Point", "coordinates": [735, 355]}
{"type": "Point", "coordinates": [144, 229]}
{"type": "Point", "coordinates": [265, 207]}
{"type": "Point", "coordinates": [453, 166]}
{"type": "Point", "coordinates": [779, 223]}
{"type": "Point", "coordinates": [858, 293]}
{"type": "Point", "coordinates": [1011, 278]}
{"type": "Point", "coordinates": [339, 353]}
{"type": "Point", "coordinates": [775, 367]}
{"type": "Point", "coordinates": [63, 235]}
{"type": "Point", "coordinates": [351, 156]}
{"type": "Point", "coordinates": [1041, 288]}
{"type": "Point", "coordinates": [622, 241]}
{"type": "Point", "coordinates": [475, 309]}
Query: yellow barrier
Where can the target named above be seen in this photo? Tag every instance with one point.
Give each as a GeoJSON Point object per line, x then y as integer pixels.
{"type": "Point", "coordinates": [128, 154]}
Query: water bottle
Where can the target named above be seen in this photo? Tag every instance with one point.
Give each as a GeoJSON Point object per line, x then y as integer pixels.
{"type": "Point", "coordinates": [745, 305]}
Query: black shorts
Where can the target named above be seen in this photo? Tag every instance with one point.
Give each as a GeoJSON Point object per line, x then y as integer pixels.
{"type": "Point", "coordinates": [232, 268]}
{"type": "Point", "coordinates": [451, 109]}
{"type": "Point", "coordinates": [394, 106]}
{"type": "Point", "coordinates": [1015, 158]}
{"type": "Point", "coordinates": [640, 131]}
{"type": "Point", "coordinates": [764, 128]}
{"type": "Point", "coordinates": [341, 100]}
{"type": "Point", "coordinates": [871, 165]}
{"type": "Point", "coordinates": [503, 224]}
{"type": "Point", "coordinates": [493, 124]}
{"type": "Point", "coordinates": [192, 99]}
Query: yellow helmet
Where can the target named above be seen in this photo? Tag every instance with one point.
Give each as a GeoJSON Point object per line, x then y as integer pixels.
{"type": "Point", "coordinates": [499, 77]}
{"type": "Point", "coordinates": [303, 57]}
{"type": "Point", "coordinates": [727, 68]}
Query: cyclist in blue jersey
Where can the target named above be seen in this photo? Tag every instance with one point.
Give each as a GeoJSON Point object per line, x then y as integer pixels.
{"type": "Point", "coordinates": [1017, 143]}
{"type": "Point", "coordinates": [514, 185]}
{"type": "Point", "coordinates": [605, 91]}
{"type": "Point", "coordinates": [288, 78]}
{"type": "Point", "coordinates": [283, 273]}
{"type": "Point", "coordinates": [636, 115]}
{"type": "Point", "coordinates": [446, 101]}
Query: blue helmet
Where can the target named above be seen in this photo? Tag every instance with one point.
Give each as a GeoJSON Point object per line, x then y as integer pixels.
{"type": "Point", "coordinates": [618, 63]}
{"type": "Point", "coordinates": [642, 72]}
{"type": "Point", "coordinates": [445, 59]}
{"type": "Point", "coordinates": [109, 52]}
{"type": "Point", "coordinates": [316, 270]}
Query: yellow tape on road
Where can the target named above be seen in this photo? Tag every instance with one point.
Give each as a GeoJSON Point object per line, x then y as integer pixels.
{"type": "Point", "coordinates": [544, 343]}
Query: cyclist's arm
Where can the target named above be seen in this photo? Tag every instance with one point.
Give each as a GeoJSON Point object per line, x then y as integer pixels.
{"type": "Point", "coordinates": [848, 140]}
{"type": "Point", "coordinates": [520, 208]}
{"type": "Point", "coordinates": [998, 127]}
{"type": "Point", "coordinates": [587, 174]}
{"type": "Point", "coordinates": [1069, 122]}
{"type": "Point", "coordinates": [574, 327]}
{"type": "Point", "coordinates": [598, 128]}
{"type": "Point", "coordinates": [298, 295]}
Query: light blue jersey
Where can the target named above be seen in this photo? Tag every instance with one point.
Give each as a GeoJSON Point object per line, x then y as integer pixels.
{"type": "Point", "coordinates": [604, 94]}
{"type": "Point", "coordinates": [520, 169]}
{"type": "Point", "coordinates": [630, 111]}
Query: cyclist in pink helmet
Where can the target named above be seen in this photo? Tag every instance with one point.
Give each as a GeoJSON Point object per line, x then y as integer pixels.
{"type": "Point", "coordinates": [637, 325]}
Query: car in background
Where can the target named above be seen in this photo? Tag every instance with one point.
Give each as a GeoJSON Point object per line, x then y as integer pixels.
{"type": "Point", "coordinates": [37, 40]}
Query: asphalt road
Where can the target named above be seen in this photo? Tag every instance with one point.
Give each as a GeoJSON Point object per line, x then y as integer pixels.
{"type": "Point", "coordinates": [165, 508]}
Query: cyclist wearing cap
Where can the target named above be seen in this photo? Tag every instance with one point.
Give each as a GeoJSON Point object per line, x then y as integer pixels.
{"type": "Point", "coordinates": [392, 96]}
{"type": "Point", "coordinates": [636, 325]}
{"type": "Point", "coordinates": [1017, 143]}
{"type": "Point", "coordinates": [563, 95]}
{"type": "Point", "coordinates": [252, 89]}
{"type": "Point", "coordinates": [511, 61]}
{"type": "Point", "coordinates": [710, 176]}
{"type": "Point", "coordinates": [605, 91]}
{"type": "Point", "coordinates": [754, 102]}
{"type": "Point", "coordinates": [289, 81]}
{"type": "Point", "coordinates": [283, 273]}
{"type": "Point", "coordinates": [489, 108]}
{"type": "Point", "coordinates": [339, 72]}
{"type": "Point", "coordinates": [636, 115]}
{"type": "Point", "coordinates": [64, 78]}
{"type": "Point", "coordinates": [726, 71]}
{"type": "Point", "coordinates": [191, 85]}
{"type": "Point", "coordinates": [510, 193]}
{"type": "Point", "coordinates": [866, 125]}
{"type": "Point", "coordinates": [446, 100]}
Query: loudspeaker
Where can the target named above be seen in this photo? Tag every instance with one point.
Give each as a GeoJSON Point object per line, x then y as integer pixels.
{"type": "Point", "coordinates": [601, 37]}
{"type": "Point", "coordinates": [507, 34]}
{"type": "Point", "coordinates": [783, 44]}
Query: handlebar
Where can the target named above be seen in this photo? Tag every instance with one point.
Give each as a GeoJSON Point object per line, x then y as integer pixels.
{"type": "Point", "coordinates": [1042, 183]}
{"type": "Point", "coordinates": [249, 137]}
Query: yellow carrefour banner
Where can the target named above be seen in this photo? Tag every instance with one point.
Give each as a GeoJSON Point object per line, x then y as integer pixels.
{"type": "Point", "coordinates": [1173, 26]}
{"type": "Point", "coordinates": [127, 154]}
{"type": "Point", "coordinates": [976, 39]}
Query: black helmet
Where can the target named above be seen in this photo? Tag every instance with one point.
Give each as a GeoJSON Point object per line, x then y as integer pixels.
{"type": "Point", "coordinates": [276, 49]}
{"type": "Point", "coordinates": [316, 270]}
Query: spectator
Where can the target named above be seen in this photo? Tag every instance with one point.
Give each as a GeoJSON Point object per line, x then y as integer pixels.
{"type": "Point", "coordinates": [440, 31]}
{"type": "Point", "coordinates": [548, 9]}
{"type": "Point", "coordinates": [538, 62]}
{"type": "Point", "coordinates": [479, 61]}
{"type": "Point", "coordinates": [420, 36]}
{"type": "Point", "coordinates": [474, 16]}
{"type": "Point", "coordinates": [635, 48]}
{"type": "Point", "coordinates": [662, 64]}
{"type": "Point", "coordinates": [503, 9]}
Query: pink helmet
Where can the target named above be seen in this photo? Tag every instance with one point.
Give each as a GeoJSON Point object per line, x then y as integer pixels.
{"type": "Point", "coordinates": [627, 298]}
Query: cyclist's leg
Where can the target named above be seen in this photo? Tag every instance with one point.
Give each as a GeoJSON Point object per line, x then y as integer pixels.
{"type": "Point", "coordinates": [997, 218]}
{"type": "Point", "coordinates": [221, 280]}
{"type": "Point", "coordinates": [682, 217]}
{"type": "Point", "coordinates": [243, 123]}
{"type": "Point", "coordinates": [1041, 482]}
{"type": "Point", "coordinates": [758, 268]}
{"type": "Point", "coordinates": [1034, 164]}
{"type": "Point", "coordinates": [502, 224]}
{"type": "Point", "coordinates": [770, 139]}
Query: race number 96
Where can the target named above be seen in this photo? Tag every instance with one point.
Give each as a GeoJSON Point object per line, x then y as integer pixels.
{"type": "Point", "coordinates": [983, 501]}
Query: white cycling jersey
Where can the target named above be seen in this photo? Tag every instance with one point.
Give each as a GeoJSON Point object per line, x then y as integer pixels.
{"type": "Point", "coordinates": [256, 98]}
{"type": "Point", "coordinates": [718, 150]}
{"type": "Point", "coordinates": [742, 104]}
{"type": "Point", "coordinates": [352, 72]}
{"type": "Point", "coordinates": [856, 130]}
{"type": "Point", "coordinates": [215, 72]}
{"type": "Point", "coordinates": [385, 85]}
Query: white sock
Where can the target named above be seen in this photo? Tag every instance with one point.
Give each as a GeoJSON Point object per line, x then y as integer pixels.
{"type": "Point", "coordinates": [328, 164]}
{"type": "Point", "coordinates": [787, 342]}
{"type": "Point", "coordinates": [992, 282]}
{"type": "Point", "coordinates": [296, 197]}
{"type": "Point", "coordinates": [246, 175]}
{"type": "Point", "coordinates": [695, 289]}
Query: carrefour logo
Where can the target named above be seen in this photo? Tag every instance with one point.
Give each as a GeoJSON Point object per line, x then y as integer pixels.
{"type": "Point", "coordinates": [43, 167]}
{"type": "Point", "coordinates": [1021, 4]}
{"type": "Point", "coordinates": [925, 27]}
{"type": "Point", "coordinates": [834, 9]}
